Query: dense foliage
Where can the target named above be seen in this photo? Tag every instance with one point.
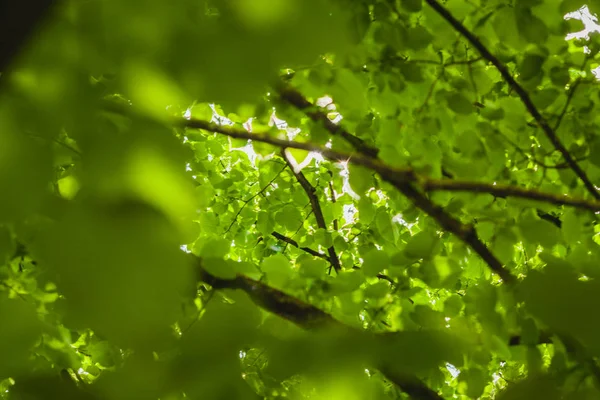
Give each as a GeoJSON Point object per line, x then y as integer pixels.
{"type": "Point", "coordinates": [304, 199]}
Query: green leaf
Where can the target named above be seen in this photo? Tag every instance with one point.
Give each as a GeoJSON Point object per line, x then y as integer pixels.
{"type": "Point", "coordinates": [412, 5]}
{"type": "Point", "coordinates": [289, 217]}
{"type": "Point", "coordinates": [277, 268]}
{"type": "Point", "coordinates": [215, 248]}
{"type": "Point", "coordinates": [361, 179]}
{"type": "Point", "coordinates": [560, 76]}
{"type": "Point", "coordinates": [323, 238]}
{"type": "Point", "coordinates": [411, 72]}
{"type": "Point", "coordinates": [537, 231]}
{"type": "Point", "coordinates": [531, 28]}
{"type": "Point", "coordinates": [7, 245]}
{"type": "Point", "coordinates": [566, 312]}
{"type": "Point", "coordinates": [476, 381]}
{"type": "Point", "coordinates": [384, 225]}
{"type": "Point", "coordinates": [377, 290]}
{"type": "Point", "coordinates": [419, 37]}
{"type": "Point", "coordinates": [595, 152]}
{"type": "Point", "coordinates": [374, 262]}
{"type": "Point", "coordinates": [421, 245]}
{"type": "Point", "coordinates": [531, 66]}
{"type": "Point", "coordinates": [459, 103]}
{"type": "Point", "coordinates": [545, 97]}
{"type": "Point", "coordinates": [453, 305]}
{"type": "Point", "coordinates": [313, 268]}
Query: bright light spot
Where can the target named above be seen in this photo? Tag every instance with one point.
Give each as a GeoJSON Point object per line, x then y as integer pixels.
{"type": "Point", "coordinates": [219, 119]}
{"type": "Point", "coordinates": [249, 150]}
{"type": "Point", "coordinates": [447, 319]}
{"type": "Point", "coordinates": [327, 102]}
{"type": "Point", "coordinates": [349, 211]}
{"type": "Point", "coordinates": [589, 22]}
{"type": "Point", "coordinates": [185, 248]}
{"type": "Point", "coordinates": [187, 114]}
{"type": "Point", "coordinates": [496, 377]}
{"type": "Point", "coordinates": [187, 167]}
{"type": "Point", "coordinates": [283, 125]}
{"type": "Point", "coordinates": [345, 174]}
{"type": "Point", "coordinates": [453, 370]}
{"type": "Point", "coordinates": [242, 354]}
{"type": "Point", "coordinates": [81, 371]}
{"type": "Point", "coordinates": [399, 220]}
{"type": "Point", "coordinates": [589, 25]}
{"type": "Point", "coordinates": [248, 125]}
{"type": "Point", "coordinates": [337, 118]}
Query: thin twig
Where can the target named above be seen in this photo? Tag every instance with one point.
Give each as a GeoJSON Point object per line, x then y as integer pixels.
{"type": "Point", "coordinates": [401, 178]}
{"type": "Point", "coordinates": [252, 198]}
{"type": "Point", "coordinates": [521, 92]}
{"type": "Point", "coordinates": [393, 175]}
{"type": "Point", "coordinates": [315, 205]}
{"type": "Point", "coordinates": [500, 190]}
{"type": "Point", "coordinates": [295, 98]}
{"type": "Point", "coordinates": [292, 242]}
{"type": "Point", "coordinates": [570, 96]}
{"type": "Point", "coordinates": [310, 317]}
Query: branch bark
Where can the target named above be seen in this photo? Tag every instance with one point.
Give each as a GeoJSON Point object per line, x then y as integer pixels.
{"type": "Point", "coordinates": [292, 242]}
{"type": "Point", "coordinates": [308, 317]}
{"type": "Point", "coordinates": [401, 179]}
{"type": "Point", "coordinates": [295, 98]}
{"type": "Point", "coordinates": [315, 205]}
{"type": "Point", "coordinates": [521, 92]}
{"type": "Point", "coordinates": [500, 190]}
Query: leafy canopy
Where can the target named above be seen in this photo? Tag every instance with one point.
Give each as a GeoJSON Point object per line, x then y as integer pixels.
{"type": "Point", "coordinates": [299, 199]}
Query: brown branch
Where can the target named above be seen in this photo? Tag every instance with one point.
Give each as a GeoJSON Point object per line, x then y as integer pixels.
{"type": "Point", "coordinates": [500, 190]}
{"type": "Point", "coordinates": [308, 317]}
{"type": "Point", "coordinates": [311, 192]}
{"type": "Point", "coordinates": [400, 178]}
{"type": "Point", "coordinates": [237, 133]}
{"type": "Point", "coordinates": [402, 182]}
{"type": "Point", "coordinates": [292, 242]}
{"type": "Point", "coordinates": [295, 98]}
{"type": "Point", "coordinates": [521, 92]}
{"type": "Point", "coordinates": [464, 232]}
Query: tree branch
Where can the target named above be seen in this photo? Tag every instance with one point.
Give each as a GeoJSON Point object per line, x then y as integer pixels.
{"type": "Point", "coordinates": [295, 98]}
{"type": "Point", "coordinates": [400, 178]}
{"type": "Point", "coordinates": [292, 242]}
{"type": "Point", "coordinates": [315, 205]}
{"type": "Point", "coordinates": [308, 317]}
{"type": "Point", "coordinates": [237, 133]}
{"type": "Point", "coordinates": [404, 183]}
{"type": "Point", "coordinates": [500, 190]}
{"type": "Point", "coordinates": [464, 232]}
{"type": "Point", "coordinates": [521, 92]}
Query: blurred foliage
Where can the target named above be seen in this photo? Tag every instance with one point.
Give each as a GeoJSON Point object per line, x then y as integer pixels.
{"type": "Point", "coordinates": [103, 191]}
